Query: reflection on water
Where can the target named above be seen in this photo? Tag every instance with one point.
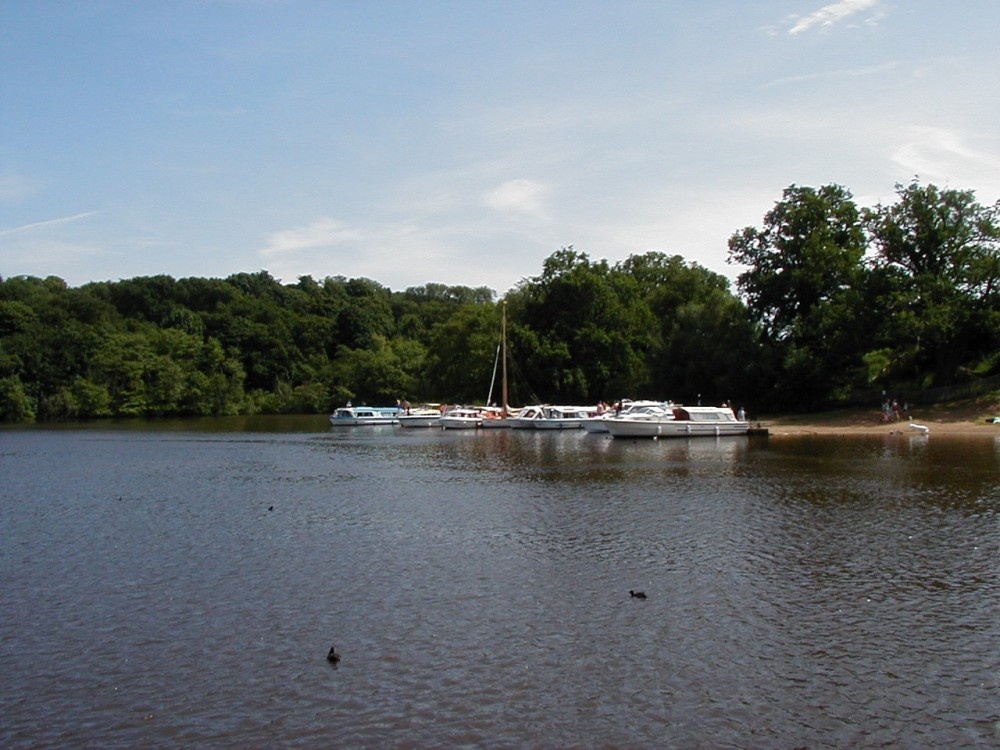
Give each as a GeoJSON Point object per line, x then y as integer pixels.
{"type": "Point", "coordinates": [182, 587]}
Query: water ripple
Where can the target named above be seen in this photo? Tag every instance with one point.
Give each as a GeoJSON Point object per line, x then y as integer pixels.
{"type": "Point", "coordinates": [183, 589]}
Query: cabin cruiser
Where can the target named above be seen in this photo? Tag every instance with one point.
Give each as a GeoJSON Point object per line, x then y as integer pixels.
{"type": "Point", "coordinates": [563, 417]}
{"type": "Point", "coordinates": [351, 416]}
{"type": "Point", "coordinates": [680, 421]}
{"type": "Point", "coordinates": [628, 408]}
{"type": "Point", "coordinates": [544, 417]}
{"type": "Point", "coordinates": [462, 418]}
{"type": "Point", "coordinates": [424, 416]}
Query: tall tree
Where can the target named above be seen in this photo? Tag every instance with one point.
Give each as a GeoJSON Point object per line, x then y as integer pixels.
{"type": "Point", "coordinates": [589, 330]}
{"type": "Point", "coordinates": [939, 251]}
{"type": "Point", "coordinates": [802, 285]}
{"type": "Point", "coordinates": [704, 342]}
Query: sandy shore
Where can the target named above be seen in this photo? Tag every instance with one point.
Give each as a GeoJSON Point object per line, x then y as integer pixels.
{"type": "Point", "coordinates": [968, 419]}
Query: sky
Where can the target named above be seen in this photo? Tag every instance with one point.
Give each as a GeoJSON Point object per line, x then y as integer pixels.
{"type": "Point", "coordinates": [464, 142]}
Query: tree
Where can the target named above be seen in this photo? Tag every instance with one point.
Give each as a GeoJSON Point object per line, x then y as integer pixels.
{"type": "Point", "coordinates": [939, 253]}
{"type": "Point", "coordinates": [581, 330]}
{"type": "Point", "coordinates": [802, 287]}
{"type": "Point", "coordinates": [460, 355]}
{"type": "Point", "coordinates": [704, 342]}
{"type": "Point", "coordinates": [367, 315]}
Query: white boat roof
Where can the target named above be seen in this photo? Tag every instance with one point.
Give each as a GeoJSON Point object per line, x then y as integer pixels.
{"type": "Point", "coordinates": [707, 413]}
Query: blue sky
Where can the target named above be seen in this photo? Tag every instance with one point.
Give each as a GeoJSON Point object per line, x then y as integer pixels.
{"type": "Point", "coordinates": [464, 142]}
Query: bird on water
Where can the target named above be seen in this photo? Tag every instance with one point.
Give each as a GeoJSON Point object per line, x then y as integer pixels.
{"type": "Point", "coordinates": [333, 657]}
{"type": "Point", "coordinates": [637, 594]}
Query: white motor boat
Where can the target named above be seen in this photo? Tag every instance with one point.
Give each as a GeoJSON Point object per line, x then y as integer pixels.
{"type": "Point", "coordinates": [563, 417]}
{"type": "Point", "coordinates": [423, 417]}
{"type": "Point", "coordinates": [544, 417]}
{"type": "Point", "coordinates": [680, 421]}
{"type": "Point", "coordinates": [525, 420]}
{"type": "Point", "coordinates": [462, 418]}
{"type": "Point", "coordinates": [352, 416]}
{"type": "Point", "coordinates": [597, 422]}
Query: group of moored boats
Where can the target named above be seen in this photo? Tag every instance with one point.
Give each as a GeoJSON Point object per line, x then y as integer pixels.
{"type": "Point", "coordinates": [638, 419]}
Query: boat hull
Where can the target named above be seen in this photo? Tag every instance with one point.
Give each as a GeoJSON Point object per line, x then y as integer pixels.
{"type": "Point", "coordinates": [419, 420]}
{"type": "Point", "coordinates": [361, 421]}
{"type": "Point", "coordinates": [627, 428]}
{"type": "Point", "coordinates": [595, 424]}
{"type": "Point", "coordinates": [460, 423]}
{"type": "Point", "coordinates": [545, 423]}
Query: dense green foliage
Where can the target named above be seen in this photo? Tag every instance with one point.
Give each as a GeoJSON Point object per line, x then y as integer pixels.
{"type": "Point", "coordinates": [834, 302]}
{"type": "Point", "coordinates": [850, 301]}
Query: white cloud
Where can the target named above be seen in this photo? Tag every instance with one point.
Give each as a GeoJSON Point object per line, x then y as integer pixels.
{"type": "Point", "coordinates": [322, 232]}
{"type": "Point", "coordinates": [942, 156]}
{"type": "Point", "coordinates": [831, 14]}
{"type": "Point", "coordinates": [48, 223]}
{"type": "Point", "coordinates": [519, 196]}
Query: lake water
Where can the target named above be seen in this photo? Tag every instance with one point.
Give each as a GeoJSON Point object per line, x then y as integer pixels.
{"type": "Point", "coordinates": [180, 586]}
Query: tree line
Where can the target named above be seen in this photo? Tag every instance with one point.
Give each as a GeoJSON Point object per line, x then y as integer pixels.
{"type": "Point", "coordinates": [833, 301]}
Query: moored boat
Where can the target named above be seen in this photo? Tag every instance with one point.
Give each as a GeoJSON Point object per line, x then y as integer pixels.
{"type": "Point", "coordinates": [681, 421]}
{"type": "Point", "coordinates": [462, 418]}
{"type": "Point", "coordinates": [525, 420]}
{"type": "Point", "coordinates": [546, 417]}
{"type": "Point", "coordinates": [353, 416]}
{"type": "Point", "coordinates": [628, 408]}
{"type": "Point", "coordinates": [563, 417]}
{"type": "Point", "coordinates": [425, 416]}
{"type": "Point", "coordinates": [495, 418]}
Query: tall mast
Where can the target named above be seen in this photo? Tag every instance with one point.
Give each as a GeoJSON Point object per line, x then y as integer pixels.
{"type": "Point", "coordinates": [503, 343]}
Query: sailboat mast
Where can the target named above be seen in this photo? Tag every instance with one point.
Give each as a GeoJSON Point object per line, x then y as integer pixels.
{"type": "Point", "coordinates": [503, 343]}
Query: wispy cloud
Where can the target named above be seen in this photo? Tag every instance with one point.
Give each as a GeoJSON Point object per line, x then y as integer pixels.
{"type": "Point", "coordinates": [48, 223]}
{"type": "Point", "coordinates": [519, 196]}
{"type": "Point", "coordinates": [938, 154]}
{"type": "Point", "coordinates": [833, 75]}
{"type": "Point", "coordinates": [323, 232]}
{"type": "Point", "coordinates": [830, 15]}
{"type": "Point", "coordinates": [397, 254]}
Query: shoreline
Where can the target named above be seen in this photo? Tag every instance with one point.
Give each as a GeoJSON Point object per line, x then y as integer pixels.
{"type": "Point", "coordinates": [967, 418]}
{"type": "Point", "coordinates": [871, 424]}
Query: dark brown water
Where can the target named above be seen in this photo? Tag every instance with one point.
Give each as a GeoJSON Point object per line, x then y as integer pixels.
{"type": "Point", "coordinates": [808, 592]}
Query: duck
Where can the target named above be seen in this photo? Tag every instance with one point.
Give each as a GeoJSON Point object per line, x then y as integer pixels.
{"type": "Point", "coordinates": [637, 594]}
{"type": "Point", "coordinates": [333, 657]}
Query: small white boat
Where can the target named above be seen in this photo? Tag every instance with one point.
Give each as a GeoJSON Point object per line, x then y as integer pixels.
{"type": "Point", "coordinates": [352, 416]}
{"type": "Point", "coordinates": [563, 417]}
{"type": "Point", "coordinates": [680, 421]}
{"type": "Point", "coordinates": [597, 422]}
{"type": "Point", "coordinates": [422, 417]}
{"type": "Point", "coordinates": [545, 417]}
{"type": "Point", "coordinates": [525, 420]}
{"type": "Point", "coordinates": [462, 418]}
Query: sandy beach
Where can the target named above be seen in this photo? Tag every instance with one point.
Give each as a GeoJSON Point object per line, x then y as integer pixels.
{"type": "Point", "coordinates": [965, 419]}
